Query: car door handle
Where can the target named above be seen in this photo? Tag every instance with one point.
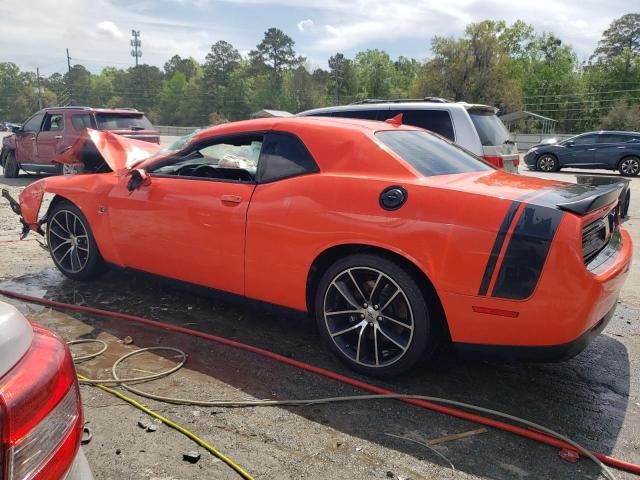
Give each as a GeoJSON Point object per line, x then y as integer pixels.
{"type": "Point", "coordinates": [590, 149]}
{"type": "Point", "coordinates": [235, 199]}
{"type": "Point", "coordinates": [58, 137]}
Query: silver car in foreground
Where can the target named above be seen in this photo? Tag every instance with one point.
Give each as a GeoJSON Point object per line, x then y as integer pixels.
{"type": "Point", "coordinates": [40, 407]}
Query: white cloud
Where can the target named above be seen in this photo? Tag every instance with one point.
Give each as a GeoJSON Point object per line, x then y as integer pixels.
{"type": "Point", "coordinates": [109, 28]}
{"type": "Point", "coordinates": [306, 25]}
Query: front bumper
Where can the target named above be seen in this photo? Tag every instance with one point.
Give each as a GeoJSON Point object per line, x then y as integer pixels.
{"type": "Point", "coordinates": [530, 159]}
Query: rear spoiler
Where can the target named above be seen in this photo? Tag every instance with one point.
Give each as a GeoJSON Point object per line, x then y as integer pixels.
{"type": "Point", "coordinates": [592, 199]}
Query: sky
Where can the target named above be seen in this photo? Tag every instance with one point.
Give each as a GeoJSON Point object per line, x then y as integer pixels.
{"type": "Point", "coordinates": [35, 33]}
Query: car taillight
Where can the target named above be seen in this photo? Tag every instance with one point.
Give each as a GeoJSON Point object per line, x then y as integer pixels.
{"type": "Point", "coordinates": [516, 162]}
{"type": "Point", "coordinates": [495, 160]}
{"type": "Point", "coordinates": [40, 411]}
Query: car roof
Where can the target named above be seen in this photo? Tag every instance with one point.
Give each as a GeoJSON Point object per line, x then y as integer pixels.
{"type": "Point", "coordinates": [616, 132]}
{"type": "Point", "coordinates": [294, 123]}
{"type": "Point", "coordinates": [119, 111]}
{"type": "Point", "coordinates": [420, 105]}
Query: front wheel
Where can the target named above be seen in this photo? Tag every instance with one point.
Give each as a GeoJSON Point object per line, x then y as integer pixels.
{"type": "Point", "coordinates": [547, 163]}
{"type": "Point", "coordinates": [629, 166]}
{"type": "Point", "coordinates": [373, 315]}
{"type": "Point", "coordinates": [71, 243]}
{"type": "Point", "coordinates": [11, 169]}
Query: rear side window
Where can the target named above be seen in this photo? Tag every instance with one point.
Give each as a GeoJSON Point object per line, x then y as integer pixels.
{"type": "Point", "coordinates": [284, 156]}
{"type": "Point", "coordinates": [118, 121]}
{"type": "Point", "coordinates": [361, 114]}
{"type": "Point", "coordinates": [429, 154]}
{"type": "Point", "coordinates": [81, 121]}
{"type": "Point", "coordinates": [438, 121]}
{"type": "Point", "coordinates": [490, 128]}
{"type": "Point", "coordinates": [614, 138]}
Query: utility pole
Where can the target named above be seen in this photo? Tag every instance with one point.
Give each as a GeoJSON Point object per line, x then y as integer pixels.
{"type": "Point", "coordinates": [39, 89]}
{"type": "Point", "coordinates": [70, 85]}
{"type": "Point", "coordinates": [136, 43]}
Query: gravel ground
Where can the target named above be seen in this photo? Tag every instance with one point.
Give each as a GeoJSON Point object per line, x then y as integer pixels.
{"type": "Point", "coordinates": [594, 398]}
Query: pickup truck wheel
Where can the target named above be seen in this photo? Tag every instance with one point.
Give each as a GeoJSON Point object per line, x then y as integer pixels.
{"type": "Point", "coordinates": [71, 243]}
{"type": "Point", "coordinates": [374, 316]}
{"type": "Point", "coordinates": [11, 167]}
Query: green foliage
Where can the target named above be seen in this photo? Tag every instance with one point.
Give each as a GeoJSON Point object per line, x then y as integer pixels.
{"type": "Point", "coordinates": [508, 66]}
{"type": "Point", "coordinates": [623, 115]}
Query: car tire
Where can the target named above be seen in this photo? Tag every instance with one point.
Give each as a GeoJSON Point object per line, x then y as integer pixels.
{"type": "Point", "coordinates": [11, 169]}
{"type": "Point", "coordinates": [624, 205]}
{"type": "Point", "coordinates": [71, 243]}
{"type": "Point", "coordinates": [386, 325]}
{"type": "Point", "coordinates": [547, 163]}
{"type": "Point", "coordinates": [629, 166]}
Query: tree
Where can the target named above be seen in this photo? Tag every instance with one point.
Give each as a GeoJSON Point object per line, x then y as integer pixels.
{"type": "Point", "coordinates": [342, 84]}
{"type": "Point", "coordinates": [375, 72]}
{"type": "Point", "coordinates": [188, 67]}
{"type": "Point", "coordinates": [476, 68]}
{"type": "Point", "coordinates": [142, 85]}
{"type": "Point", "coordinates": [623, 34]}
{"type": "Point", "coordinates": [78, 82]}
{"type": "Point", "coordinates": [275, 53]}
{"type": "Point", "coordinates": [623, 115]}
{"type": "Point", "coordinates": [220, 62]}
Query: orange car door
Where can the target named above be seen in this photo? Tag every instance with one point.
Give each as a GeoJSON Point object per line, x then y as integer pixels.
{"type": "Point", "coordinates": [187, 224]}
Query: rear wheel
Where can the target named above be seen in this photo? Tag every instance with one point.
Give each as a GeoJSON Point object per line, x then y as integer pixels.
{"type": "Point", "coordinates": [629, 166]}
{"type": "Point", "coordinates": [71, 243]}
{"type": "Point", "coordinates": [373, 315]}
{"type": "Point", "coordinates": [11, 168]}
{"type": "Point", "coordinates": [547, 163]}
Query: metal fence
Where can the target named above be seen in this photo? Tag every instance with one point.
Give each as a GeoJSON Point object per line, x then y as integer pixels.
{"type": "Point", "coordinates": [174, 131]}
{"type": "Point", "coordinates": [526, 141]}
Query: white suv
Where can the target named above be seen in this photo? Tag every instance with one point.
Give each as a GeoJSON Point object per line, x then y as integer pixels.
{"type": "Point", "coordinates": [474, 127]}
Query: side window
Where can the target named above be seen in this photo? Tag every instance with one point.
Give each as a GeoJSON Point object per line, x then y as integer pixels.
{"type": "Point", "coordinates": [437, 121]}
{"type": "Point", "coordinates": [613, 138]}
{"type": "Point", "coordinates": [53, 123]}
{"type": "Point", "coordinates": [81, 121]}
{"type": "Point", "coordinates": [585, 140]}
{"type": "Point", "coordinates": [231, 159]}
{"type": "Point", "coordinates": [361, 114]}
{"type": "Point", "coordinates": [33, 124]}
{"type": "Point", "coordinates": [284, 156]}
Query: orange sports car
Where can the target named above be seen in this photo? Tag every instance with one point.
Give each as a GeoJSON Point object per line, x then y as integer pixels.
{"type": "Point", "coordinates": [393, 238]}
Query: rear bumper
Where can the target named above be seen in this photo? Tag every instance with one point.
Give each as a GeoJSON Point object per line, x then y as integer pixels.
{"type": "Point", "coordinates": [551, 353]}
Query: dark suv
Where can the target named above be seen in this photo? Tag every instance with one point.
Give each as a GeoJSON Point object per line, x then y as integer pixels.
{"type": "Point", "coordinates": [607, 150]}
{"type": "Point", "coordinates": [49, 132]}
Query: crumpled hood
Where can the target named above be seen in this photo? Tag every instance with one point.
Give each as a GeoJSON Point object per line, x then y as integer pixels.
{"type": "Point", "coordinates": [117, 152]}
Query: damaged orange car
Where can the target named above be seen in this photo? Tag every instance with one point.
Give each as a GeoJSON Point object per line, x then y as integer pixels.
{"type": "Point", "coordinates": [393, 238]}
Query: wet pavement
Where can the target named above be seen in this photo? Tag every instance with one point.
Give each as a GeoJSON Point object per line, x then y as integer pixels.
{"type": "Point", "coordinates": [593, 398]}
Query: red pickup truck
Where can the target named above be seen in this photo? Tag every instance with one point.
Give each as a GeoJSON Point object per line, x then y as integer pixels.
{"type": "Point", "coordinates": [51, 131]}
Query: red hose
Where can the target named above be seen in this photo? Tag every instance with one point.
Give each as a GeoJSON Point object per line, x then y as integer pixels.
{"type": "Point", "coordinates": [523, 432]}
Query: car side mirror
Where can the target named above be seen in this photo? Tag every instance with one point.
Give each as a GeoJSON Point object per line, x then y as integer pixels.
{"type": "Point", "coordinates": [569, 143]}
{"type": "Point", "coordinates": [138, 178]}
{"type": "Point", "coordinates": [16, 128]}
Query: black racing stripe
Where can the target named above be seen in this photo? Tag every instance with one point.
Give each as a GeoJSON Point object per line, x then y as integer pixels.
{"type": "Point", "coordinates": [497, 246]}
{"type": "Point", "coordinates": [526, 252]}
